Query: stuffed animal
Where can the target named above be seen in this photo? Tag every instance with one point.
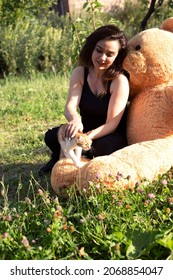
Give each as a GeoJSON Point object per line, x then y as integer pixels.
{"type": "Point", "coordinates": [149, 153]}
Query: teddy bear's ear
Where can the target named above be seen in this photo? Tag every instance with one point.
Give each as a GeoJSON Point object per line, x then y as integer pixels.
{"type": "Point", "coordinates": [167, 24]}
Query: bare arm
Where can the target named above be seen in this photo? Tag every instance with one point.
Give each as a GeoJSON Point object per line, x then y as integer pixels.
{"type": "Point", "coordinates": [118, 100]}
{"type": "Point", "coordinates": [75, 90]}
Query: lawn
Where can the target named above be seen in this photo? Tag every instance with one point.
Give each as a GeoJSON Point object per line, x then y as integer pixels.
{"type": "Point", "coordinates": [36, 224]}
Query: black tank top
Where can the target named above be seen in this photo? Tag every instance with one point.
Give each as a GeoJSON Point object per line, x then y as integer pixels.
{"type": "Point", "coordinates": [93, 109]}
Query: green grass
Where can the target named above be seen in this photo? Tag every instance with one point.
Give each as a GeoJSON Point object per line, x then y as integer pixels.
{"type": "Point", "coordinates": [36, 224]}
{"type": "Point", "coordinates": [28, 109]}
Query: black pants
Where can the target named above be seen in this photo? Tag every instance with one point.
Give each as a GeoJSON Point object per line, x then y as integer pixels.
{"type": "Point", "coordinates": [100, 147]}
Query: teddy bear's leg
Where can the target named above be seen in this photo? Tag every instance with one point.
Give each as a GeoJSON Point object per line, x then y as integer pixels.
{"type": "Point", "coordinates": [127, 166]}
{"type": "Point", "coordinates": [64, 175]}
{"type": "Point", "coordinates": [121, 169]}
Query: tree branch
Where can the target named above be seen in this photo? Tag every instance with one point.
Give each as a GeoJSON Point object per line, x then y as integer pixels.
{"type": "Point", "coordinates": [149, 13]}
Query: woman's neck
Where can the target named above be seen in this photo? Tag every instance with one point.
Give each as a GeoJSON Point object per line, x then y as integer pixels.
{"type": "Point", "coordinates": [95, 73]}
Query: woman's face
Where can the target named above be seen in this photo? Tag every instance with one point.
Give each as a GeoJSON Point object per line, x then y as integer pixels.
{"type": "Point", "coordinates": [105, 53]}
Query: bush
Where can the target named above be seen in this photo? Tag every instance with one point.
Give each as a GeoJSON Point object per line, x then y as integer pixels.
{"type": "Point", "coordinates": [52, 43]}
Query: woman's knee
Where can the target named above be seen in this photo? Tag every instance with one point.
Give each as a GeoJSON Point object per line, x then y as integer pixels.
{"type": "Point", "coordinates": [108, 144]}
{"type": "Point", "coordinates": [51, 138]}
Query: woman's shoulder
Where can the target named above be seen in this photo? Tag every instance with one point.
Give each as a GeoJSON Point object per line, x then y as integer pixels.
{"type": "Point", "coordinates": [79, 71]}
{"type": "Point", "coordinates": [121, 81]}
{"type": "Point", "coordinates": [78, 74]}
{"type": "Point", "coordinates": [120, 78]}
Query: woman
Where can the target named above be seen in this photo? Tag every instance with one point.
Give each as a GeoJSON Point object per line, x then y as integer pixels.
{"type": "Point", "coordinates": [99, 88]}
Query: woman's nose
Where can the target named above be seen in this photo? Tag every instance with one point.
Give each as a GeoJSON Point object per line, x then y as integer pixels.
{"type": "Point", "coordinates": [104, 56]}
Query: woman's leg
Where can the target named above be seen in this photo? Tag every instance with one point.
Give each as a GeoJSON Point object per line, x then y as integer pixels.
{"type": "Point", "coordinates": [51, 140]}
{"type": "Point", "coordinates": [107, 145]}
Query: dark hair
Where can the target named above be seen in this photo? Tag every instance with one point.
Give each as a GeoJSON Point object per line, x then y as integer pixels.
{"type": "Point", "coordinates": [110, 32]}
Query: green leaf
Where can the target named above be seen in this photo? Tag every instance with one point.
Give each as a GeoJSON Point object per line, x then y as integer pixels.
{"type": "Point", "coordinates": [140, 243]}
{"type": "Point", "coordinates": [167, 241]}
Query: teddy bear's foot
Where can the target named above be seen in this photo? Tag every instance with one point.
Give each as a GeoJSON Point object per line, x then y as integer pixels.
{"type": "Point", "coordinates": [64, 175]}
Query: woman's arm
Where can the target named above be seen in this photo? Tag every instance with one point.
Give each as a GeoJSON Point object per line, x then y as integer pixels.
{"type": "Point", "coordinates": [71, 108]}
{"type": "Point", "coordinates": [119, 96]}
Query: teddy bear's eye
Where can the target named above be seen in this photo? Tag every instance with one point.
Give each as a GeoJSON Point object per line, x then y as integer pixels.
{"type": "Point", "coordinates": [137, 48]}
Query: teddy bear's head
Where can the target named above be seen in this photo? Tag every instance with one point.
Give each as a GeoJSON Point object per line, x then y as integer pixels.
{"type": "Point", "coordinates": [149, 61]}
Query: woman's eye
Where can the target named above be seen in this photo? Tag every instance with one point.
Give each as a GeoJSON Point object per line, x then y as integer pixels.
{"type": "Point", "coordinates": [99, 51]}
{"type": "Point", "coordinates": [110, 54]}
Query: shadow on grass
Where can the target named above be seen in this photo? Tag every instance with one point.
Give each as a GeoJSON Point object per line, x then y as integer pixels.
{"type": "Point", "coordinates": [22, 179]}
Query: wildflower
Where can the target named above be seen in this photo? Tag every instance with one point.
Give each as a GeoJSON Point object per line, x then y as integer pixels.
{"type": "Point", "coordinates": [47, 200]}
{"type": "Point", "coordinates": [140, 190]}
{"type": "Point", "coordinates": [40, 248]}
{"type": "Point", "coordinates": [82, 252]}
{"type": "Point", "coordinates": [5, 235]}
{"type": "Point", "coordinates": [119, 176]}
{"type": "Point", "coordinates": [145, 183]}
{"type": "Point", "coordinates": [119, 203]}
{"type": "Point", "coordinates": [72, 228]}
{"type": "Point", "coordinates": [27, 200]}
{"type": "Point", "coordinates": [40, 192]}
{"type": "Point", "coordinates": [97, 186]}
{"type": "Point", "coordinates": [8, 218]}
{"type": "Point", "coordinates": [65, 227]}
{"type": "Point", "coordinates": [128, 206]}
{"type": "Point", "coordinates": [48, 230]}
{"type": "Point", "coordinates": [56, 200]}
{"type": "Point", "coordinates": [97, 175]}
{"type": "Point", "coordinates": [168, 210]}
{"type": "Point", "coordinates": [114, 196]}
{"type": "Point", "coordinates": [117, 247]}
{"type": "Point", "coordinates": [58, 207]}
{"type": "Point", "coordinates": [146, 202]}
{"type": "Point", "coordinates": [151, 195]}
{"type": "Point", "coordinates": [33, 241]}
{"type": "Point", "coordinates": [25, 242]}
{"type": "Point", "coordinates": [82, 221]}
{"type": "Point", "coordinates": [100, 217]}
{"type": "Point", "coordinates": [2, 192]}
{"type": "Point", "coordinates": [170, 199]}
{"type": "Point", "coordinates": [57, 214]}
{"type": "Point", "coordinates": [164, 182]}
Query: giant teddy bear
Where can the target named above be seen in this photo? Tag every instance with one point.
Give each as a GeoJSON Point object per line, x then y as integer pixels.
{"type": "Point", "coordinates": [149, 153]}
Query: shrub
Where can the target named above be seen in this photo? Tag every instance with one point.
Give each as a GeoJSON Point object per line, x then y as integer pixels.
{"type": "Point", "coordinates": [52, 43]}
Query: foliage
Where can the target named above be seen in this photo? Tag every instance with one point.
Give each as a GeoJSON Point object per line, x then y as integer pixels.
{"type": "Point", "coordinates": [122, 226]}
{"type": "Point", "coordinates": [36, 224]}
{"type": "Point", "coordinates": [158, 10]}
{"type": "Point", "coordinates": [49, 43]}
{"type": "Point", "coordinates": [12, 11]}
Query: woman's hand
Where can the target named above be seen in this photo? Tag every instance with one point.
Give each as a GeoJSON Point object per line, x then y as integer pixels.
{"type": "Point", "coordinates": [73, 127]}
